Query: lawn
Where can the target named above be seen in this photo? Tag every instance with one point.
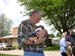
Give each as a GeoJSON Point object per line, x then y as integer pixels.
{"type": "Point", "coordinates": [52, 48]}
{"type": "Point", "coordinates": [7, 55]}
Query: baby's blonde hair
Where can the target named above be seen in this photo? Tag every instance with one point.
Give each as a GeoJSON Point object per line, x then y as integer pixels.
{"type": "Point", "coordinates": [64, 34]}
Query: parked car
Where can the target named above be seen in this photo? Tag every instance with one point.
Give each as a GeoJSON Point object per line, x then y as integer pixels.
{"type": "Point", "coordinates": [3, 46]}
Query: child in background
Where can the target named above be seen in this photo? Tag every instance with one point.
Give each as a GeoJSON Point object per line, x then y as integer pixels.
{"type": "Point", "coordinates": [63, 45]}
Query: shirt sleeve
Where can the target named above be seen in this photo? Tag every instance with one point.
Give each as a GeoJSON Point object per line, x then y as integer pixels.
{"type": "Point", "coordinates": [23, 34]}
{"type": "Point", "coordinates": [63, 43]}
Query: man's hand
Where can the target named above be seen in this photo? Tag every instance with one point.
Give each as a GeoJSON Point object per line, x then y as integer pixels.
{"type": "Point", "coordinates": [32, 38]}
{"type": "Point", "coordinates": [29, 42]}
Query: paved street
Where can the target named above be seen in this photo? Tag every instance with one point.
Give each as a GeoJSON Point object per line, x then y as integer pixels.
{"type": "Point", "coordinates": [20, 52]}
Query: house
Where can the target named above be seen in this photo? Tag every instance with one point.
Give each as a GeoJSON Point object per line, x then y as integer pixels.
{"type": "Point", "coordinates": [11, 40]}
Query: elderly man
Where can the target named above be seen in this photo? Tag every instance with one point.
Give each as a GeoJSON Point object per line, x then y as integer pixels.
{"type": "Point", "coordinates": [32, 46]}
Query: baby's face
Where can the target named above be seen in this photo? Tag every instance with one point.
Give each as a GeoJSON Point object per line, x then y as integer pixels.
{"type": "Point", "coordinates": [40, 33]}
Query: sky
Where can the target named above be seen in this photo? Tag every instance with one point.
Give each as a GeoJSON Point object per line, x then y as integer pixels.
{"type": "Point", "coordinates": [13, 11]}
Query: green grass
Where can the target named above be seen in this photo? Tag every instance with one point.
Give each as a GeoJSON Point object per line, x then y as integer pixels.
{"type": "Point", "coordinates": [52, 48]}
{"type": "Point", "coordinates": [7, 55]}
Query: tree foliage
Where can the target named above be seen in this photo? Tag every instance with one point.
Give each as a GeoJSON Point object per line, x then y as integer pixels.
{"type": "Point", "coordinates": [60, 13]}
{"type": "Point", "coordinates": [51, 35]}
{"type": "Point", "coordinates": [5, 25]}
{"type": "Point", "coordinates": [58, 34]}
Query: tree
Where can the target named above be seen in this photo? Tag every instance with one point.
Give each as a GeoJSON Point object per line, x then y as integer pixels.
{"type": "Point", "coordinates": [51, 35]}
{"type": "Point", "coordinates": [60, 13]}
{"type": "Point", "coordinates": [5, 25]}
{"type": "Point", "coordinates": [59, 35]}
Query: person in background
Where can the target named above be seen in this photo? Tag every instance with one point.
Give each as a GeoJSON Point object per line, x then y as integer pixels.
{"type": "Point", "coordinates": [71, 43]}
{"type": "Point", "coordinates": [63, 45]}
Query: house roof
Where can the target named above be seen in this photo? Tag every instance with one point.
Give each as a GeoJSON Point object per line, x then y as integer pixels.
{"type": "Point", "coordinates": [14, 34]}
{"type": "Point", "coordinates": [10, 36]}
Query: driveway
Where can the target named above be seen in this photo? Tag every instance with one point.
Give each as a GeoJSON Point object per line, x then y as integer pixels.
{"type": "Point", "coordinates": [20, 52]}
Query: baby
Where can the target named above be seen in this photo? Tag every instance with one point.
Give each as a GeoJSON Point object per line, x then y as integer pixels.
{"type": "Point", "coordinates": [39, 33]}
{"type": "Point", "coordinates": [36, 32]}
